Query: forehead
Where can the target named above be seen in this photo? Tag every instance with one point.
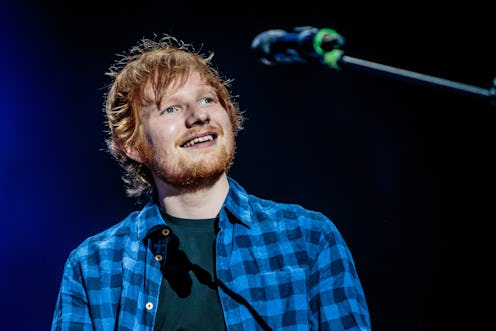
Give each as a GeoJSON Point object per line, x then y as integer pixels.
{"type": "Point", "coordinates": [154, 92]}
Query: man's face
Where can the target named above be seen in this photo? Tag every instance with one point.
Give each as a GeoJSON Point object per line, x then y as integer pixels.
{"type": "Point", "coordinates": [189, 138]}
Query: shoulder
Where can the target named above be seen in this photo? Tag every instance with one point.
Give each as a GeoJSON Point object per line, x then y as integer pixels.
{"type": "Point", "coordinates": [302, 231]}
{"type": "Point", "coordinates": [253, 209]}
{"type": "Point", "coordinates": [105, 243]}
{"type": "Point", "coordinates": [283, 209]}
{"type": "Point", "coordinates": [285, 216]}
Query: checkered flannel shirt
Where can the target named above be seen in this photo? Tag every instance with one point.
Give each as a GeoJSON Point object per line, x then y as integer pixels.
{"type": "Point", "coordinates": [279, 267]}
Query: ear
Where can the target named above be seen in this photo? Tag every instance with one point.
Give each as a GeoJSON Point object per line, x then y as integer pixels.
{"type": "Point", "coordinates": [133, 153]}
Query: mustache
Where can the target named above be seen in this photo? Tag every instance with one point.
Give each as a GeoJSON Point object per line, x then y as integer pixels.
{"type": "Point", "coordinates": [200, 131]}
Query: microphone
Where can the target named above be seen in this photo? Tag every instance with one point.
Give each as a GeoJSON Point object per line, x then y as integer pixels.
{"type": "Point", "coordinates": [303, 45]}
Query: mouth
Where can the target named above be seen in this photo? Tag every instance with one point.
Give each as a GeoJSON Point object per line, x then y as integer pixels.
{"type": "Point", "coordinates": [200, 139]}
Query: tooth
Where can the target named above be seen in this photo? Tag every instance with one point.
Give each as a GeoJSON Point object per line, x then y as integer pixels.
{"type": "Point", "coordinates": [199, 140]}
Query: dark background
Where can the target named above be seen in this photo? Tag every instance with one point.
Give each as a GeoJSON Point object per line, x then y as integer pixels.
{"type": "Point", "coordinates": [405, 171]}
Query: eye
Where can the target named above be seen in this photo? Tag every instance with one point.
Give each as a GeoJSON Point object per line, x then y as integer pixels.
{"type": "Point", "coordinates": [207, 100]}
{"type": "Point", "coordinates": [171, 109]}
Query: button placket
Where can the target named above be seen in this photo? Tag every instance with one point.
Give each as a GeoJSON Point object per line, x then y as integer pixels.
{"type": "Point", "coordinates": [166, 232]}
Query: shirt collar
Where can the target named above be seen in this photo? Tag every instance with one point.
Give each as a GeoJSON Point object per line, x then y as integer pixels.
{"type": "Point", "coordinates": [237, 204]}
{"type": "Point", "coordinates": [148, 220]}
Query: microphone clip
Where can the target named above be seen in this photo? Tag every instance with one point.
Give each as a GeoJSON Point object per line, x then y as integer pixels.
{"type": "Point", "coordinates": [303, 44]}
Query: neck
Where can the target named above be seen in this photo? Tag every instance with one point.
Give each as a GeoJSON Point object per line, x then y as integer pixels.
{"type": "Point", "coordinates": [193, 204]}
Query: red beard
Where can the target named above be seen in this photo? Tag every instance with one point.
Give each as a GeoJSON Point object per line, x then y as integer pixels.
{"type": "Point", "coordinates": [187, 174]}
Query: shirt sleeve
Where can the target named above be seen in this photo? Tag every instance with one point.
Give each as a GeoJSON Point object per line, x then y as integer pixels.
{"type": "Point", "coordinates": [337, 299]}
{"type": "Point", "coordinates": [71, 308]}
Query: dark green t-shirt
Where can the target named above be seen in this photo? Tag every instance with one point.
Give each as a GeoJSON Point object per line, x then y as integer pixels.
{"type": "Point", "coordinates": [188, 294]}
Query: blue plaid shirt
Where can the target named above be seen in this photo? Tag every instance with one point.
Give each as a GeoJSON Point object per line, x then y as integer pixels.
{"type": "Point", "coordinates": [279, 267]}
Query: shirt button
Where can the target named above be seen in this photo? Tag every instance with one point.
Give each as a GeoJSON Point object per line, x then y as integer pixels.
{"type": "Point", "coordinates": [165, 232]}
{"type": "Point", "coordinates": [149, 306]}
{"type": "Point", "coordinates": [158, 257]}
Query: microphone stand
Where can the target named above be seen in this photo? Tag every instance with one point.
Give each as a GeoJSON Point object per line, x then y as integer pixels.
{"type": "Point", "coordinates": [426, 80]}
{"type": "Point", "coordinates": [327, 43]}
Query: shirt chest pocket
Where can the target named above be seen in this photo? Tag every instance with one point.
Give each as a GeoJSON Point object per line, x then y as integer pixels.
{"type": "Point", "coordinates": [278, 297]}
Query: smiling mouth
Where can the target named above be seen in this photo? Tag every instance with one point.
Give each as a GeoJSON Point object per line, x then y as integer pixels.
{"type": "Point", "coordinates": [199, 140]}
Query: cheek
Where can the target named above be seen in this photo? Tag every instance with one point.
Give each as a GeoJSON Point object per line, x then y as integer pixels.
{"type": "Point", "coordinates": [224, 119]}
{"type": "Point", "coordinates": [162, 134]}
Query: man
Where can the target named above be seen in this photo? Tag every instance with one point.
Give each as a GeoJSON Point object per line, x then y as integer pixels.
{"type": "Point", "coordinates": [202, 253]}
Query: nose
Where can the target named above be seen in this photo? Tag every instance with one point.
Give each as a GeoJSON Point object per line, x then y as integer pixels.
{"type": "Point", "coordinates": [198, 116]}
